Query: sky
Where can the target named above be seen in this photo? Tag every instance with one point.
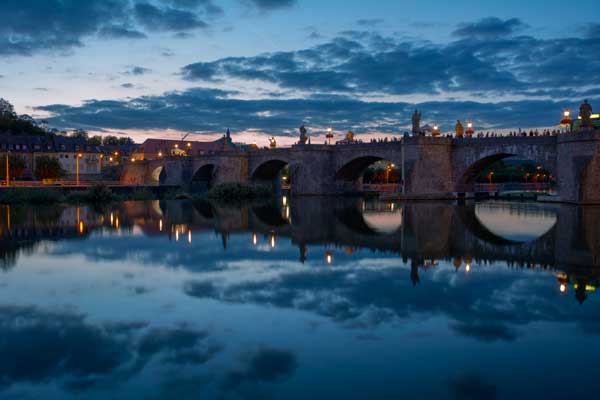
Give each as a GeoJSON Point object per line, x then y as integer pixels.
{"type": "Point", "coordinates": [162, 68]}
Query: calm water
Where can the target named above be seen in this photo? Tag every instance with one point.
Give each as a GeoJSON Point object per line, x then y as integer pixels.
{"type": "Point", "coordinates": [313, 298]}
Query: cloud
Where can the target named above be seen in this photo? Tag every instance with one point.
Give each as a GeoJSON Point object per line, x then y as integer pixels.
{"type": "Point", "coordinates": [137, 70]}
{"type": "Point", "coordinates": [207, 110]}
{"type": "Point", "coordinates": [593, 31]}
{"type": "Point", "coordinates": [120, 32]}
{"type": "Point", "coordinates": [127, 85]}
{"type": "Point", "coordinates": [263, 365]}
{"type": "Point", "coordinates": [360, 64]}
{"type": "Point", "coordinates": [489, 28]}
{"type": "Point", "coordinates": [370, 22]}
{"type": "Point", "coordinates": [63, 347]}
{"type": "Point", "coordinates": [166, 19]}
{"type": "Point", "coordinates": [270, 5]}
{"type": "Point", "coordinates": [34, 26]}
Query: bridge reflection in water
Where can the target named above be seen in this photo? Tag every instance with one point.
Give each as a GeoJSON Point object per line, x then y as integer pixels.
{"type": "Point", "coordinates": [562, 241]}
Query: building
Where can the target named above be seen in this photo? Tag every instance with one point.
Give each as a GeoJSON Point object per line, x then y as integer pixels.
{"type": "Point", "coordinates": [25, 147]}
{"type": "Point", "coordinates": [65, 149]}
{"type": "Point", "coordinates": [152, 149]}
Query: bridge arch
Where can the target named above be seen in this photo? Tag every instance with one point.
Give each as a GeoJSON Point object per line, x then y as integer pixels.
{"type": "Point", "coordinates": [467, 176]}
{"type": "Point", "coordinates": [204, 177]}
{"type": "Point", "coordinates": [353, 169]}
{"type": "Point", "coordinates": [269, 170]}
{"type": "Point", "coordinates": [158, 175]}
{"type": "Point", "coordinates": [378, 172]}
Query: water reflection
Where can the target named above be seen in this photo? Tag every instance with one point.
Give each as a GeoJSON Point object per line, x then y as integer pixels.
{"type": "Point", "coordinates": [176, 299]}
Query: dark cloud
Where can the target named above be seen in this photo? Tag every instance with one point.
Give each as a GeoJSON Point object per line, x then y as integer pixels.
{"type": "Point", "coordinates": [41, 346]}
{"type": "Point", "coordinates": [32, 26]}
{"type": "Point", "coordinates": [489, 28]}
{"type": "Point", "coordinates": [362, 63]}
{"type": "Point", "coordinates": [120, 32]}
{"type": "Point", "coordinates": [270, 5]}
{"type": "Point", "coordinates": [593, 31]}
{"type": "Point", "coordinates": [369, 22]}
{"type": "Point", "coordinates": [127, 85]}
{"type": "Point", "coordinates": [137, 70]}
{"type": "Point", "coordinates": [213, 110]}
{"type": "Point", "coordinates": [209, 7]}
{"type": "Point", "coordinates": [263, 365]}
{"type": "Point", "coordinates": [166, 19]}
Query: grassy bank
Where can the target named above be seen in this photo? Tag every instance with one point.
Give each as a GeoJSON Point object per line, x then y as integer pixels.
{"type": "Point", "coordinates": [228, 192]}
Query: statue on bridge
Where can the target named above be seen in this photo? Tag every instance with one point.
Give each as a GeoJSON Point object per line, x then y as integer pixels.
{"type": "Point", "coordinates": [585, 112]}
{"type": "Point", "coordinates": [459, 129]}
{"type": "Point", "coordinates": [303, 135]}
{"type": "Point", "coordinates": [416, 123]}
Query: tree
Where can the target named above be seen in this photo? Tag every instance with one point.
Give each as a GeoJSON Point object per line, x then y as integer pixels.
{"type": "Point", "coordinates": [17, 125]}
{"type": "Point", "coordinates": [95, 140]}
{"type": "Point", "coordinates": [6, 109]}
{"type": "Point", "coordinates": [110, 140]}
{"type": "Point", "coordinates": [16, 166]}
{"type": "Point", "coordinates": [47, 167]}
{"type": "Point", "coordinates": [79, 133]}
{"type": "Point", "coordinates": [114, 140]}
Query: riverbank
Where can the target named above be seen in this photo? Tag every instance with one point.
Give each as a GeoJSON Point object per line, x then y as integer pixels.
{"type": "Point", "coordinates": [98, 194]}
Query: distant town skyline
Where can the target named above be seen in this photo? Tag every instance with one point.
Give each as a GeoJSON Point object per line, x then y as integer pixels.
{"type": "Point", "coordinates": [159, 68]}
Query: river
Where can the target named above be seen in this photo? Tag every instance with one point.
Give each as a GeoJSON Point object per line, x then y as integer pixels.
{"type": "Point", "coordinates": [314, 298]}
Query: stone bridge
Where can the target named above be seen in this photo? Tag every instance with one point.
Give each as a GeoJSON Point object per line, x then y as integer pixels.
{"type": "Point", "coordinates": [433, 167]}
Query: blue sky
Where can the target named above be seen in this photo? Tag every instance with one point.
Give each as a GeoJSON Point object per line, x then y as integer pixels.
{"type": "Point", "coordinates": [263, 67]}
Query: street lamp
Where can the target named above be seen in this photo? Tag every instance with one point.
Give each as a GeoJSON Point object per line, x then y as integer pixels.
{"type": "Point", "coordinates": [470, 129]}
{"type": "Point", "coordinates": [490, 175]}
{"type": "Point", "coordinates": [79, 155]}
{"type": "Point", "coordinates": [329, 134]}
{"type": "Point", "coordinates": [388, 169]}
{"type": "Point", "coordinates": [436, 130]}
{"type": "Point", "coordinates": [566, 119]}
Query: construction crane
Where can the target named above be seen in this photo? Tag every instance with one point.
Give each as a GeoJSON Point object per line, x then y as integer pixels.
{"type": "Point", "coordinates": [184, 136]}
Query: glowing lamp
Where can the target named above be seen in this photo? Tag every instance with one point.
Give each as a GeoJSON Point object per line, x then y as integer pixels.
{"type": "Point", "coordinates": [566, 119]}
{"type": "Point", "coordinates": [328, 257]}
{"type": "Point", "coordinates": [470, 129]}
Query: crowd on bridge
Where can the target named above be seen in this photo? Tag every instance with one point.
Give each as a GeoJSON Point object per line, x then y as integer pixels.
{"type": "Point", "coordinates": [480, 135]}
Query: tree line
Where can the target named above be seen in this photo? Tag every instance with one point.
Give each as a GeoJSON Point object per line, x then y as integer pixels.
{"type": "Point", "coordinates": [14, 124]}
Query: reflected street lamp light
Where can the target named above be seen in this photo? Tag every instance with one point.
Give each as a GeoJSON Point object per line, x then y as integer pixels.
{"type": "Point", "coordinates": [7, 168]}
{"type": "Point", "coordinates": [79, 155]}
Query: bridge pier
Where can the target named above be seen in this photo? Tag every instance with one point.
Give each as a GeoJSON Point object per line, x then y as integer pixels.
{"type": "Point", "coordinates": [578, 167]}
